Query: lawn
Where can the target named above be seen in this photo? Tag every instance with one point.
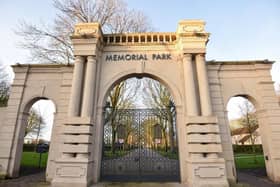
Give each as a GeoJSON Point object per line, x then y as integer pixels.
{"type": "Point", "coordinates": [117, 154]}
{"type": "Point", "coordinates": [246, 161]}
{"type": "Point", "coordinates": [169, 154]}
{"type": "Point", "coordinates": [31, 159]}
{"type": "Point", "coordinates": [242, 161]}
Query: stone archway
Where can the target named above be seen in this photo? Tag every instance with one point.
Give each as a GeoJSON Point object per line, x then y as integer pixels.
{"type": "Point", "coordinates": [253, 107]}
{"type": "Point", "coordinates": [177, 59]}
{"type": "Point", "coordinates": [145, 170]}
{"type": "Point", "coordinates": [17, 149]}
{"type": "Point", "coordinates": [167, 56]}
{"type": "Point", "coordinates": [253, 82]}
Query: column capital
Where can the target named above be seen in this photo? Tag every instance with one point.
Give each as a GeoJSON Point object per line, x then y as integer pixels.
{"type": "Point", "coordinates": [79, 59]}
{"type": "Point", "coordinates": [200, 55]}
{"type": "Point", "coordinates": [187, 57]}
{"type": "Point", "coordinates": [91, 58]}
{"type": "Point", "coordinates": [187, 54]}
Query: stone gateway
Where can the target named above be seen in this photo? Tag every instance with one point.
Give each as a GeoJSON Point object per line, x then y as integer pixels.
{"type": "Point", "coordinates": [200, 90]}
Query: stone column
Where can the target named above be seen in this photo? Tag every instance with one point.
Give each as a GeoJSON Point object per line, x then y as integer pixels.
{"type": "Point", "coordinates": [191, 98]}
{"type": "Point", "coordinates": [76, 91]}
{"type": "Point", "coordinates": [190, 92]}
{"type": "Point", "coordinates": [204, 91]}
{"type": "Point", "coordinates": [88, 97]}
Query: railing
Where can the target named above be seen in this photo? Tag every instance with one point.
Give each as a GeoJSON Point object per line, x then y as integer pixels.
{"type": "Point", "coordinates": [139, 38]}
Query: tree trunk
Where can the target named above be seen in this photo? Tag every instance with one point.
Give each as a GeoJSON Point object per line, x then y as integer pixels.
{"type": "Point", "coordinates": [113, 141]}
{"type": "Point", "coordinates": [165, 140]}
{"type": "Point", "coordinates": [171, 133]}
{"type": "Point", "coordinates": [253, 147]}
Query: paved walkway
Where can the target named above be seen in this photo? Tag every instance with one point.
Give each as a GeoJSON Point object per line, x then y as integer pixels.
{"type": "Point", "coordinates": [32, 180]}
{"type": "Point", "coordinates": [255, 178]}
{"type": "Point", "coordinates": [252, 178]}
{"type": "Point", "coordinates": [140, 165]}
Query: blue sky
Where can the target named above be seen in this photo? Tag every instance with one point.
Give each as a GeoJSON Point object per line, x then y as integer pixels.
{"type": "Point", "coordinates": [240, 29]}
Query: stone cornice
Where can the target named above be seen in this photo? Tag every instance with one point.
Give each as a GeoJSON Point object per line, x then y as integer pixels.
{"type": "Point", "coordinates": [42, 65]}
{"type": "Point", "coordinates": [237, 62]}
{"type": "Point", "coordinates": [240, 62]}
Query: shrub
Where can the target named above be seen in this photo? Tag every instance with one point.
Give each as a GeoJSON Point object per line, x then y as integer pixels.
{"type": "Point", "coordinates": [247, 148]}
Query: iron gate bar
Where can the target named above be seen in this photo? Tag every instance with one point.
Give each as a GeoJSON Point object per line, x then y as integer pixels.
{"type": "Point", "coordinates": [131, 152]}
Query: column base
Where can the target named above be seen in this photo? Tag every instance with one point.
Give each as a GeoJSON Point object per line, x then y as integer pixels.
{"type": "Point", "coordinates": [207, 173]}
{"type": "Point", "coordinates": [73, 172]}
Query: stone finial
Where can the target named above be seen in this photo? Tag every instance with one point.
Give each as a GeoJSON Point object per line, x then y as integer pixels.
{"type": "Point", "coordinates": [87, 30]}
{"type": "Point", "coordinates": [191, 26]}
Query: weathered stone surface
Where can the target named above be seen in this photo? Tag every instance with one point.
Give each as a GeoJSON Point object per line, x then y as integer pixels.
{"type": "Point", "coordinates": [200, 91]}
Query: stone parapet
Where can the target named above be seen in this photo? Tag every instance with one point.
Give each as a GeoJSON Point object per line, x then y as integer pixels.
{"type": "Point", "coordinates": [140, 38]}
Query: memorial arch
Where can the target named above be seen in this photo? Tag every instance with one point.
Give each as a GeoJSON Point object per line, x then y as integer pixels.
{"type": "Point", "coordinates": [143, 145]}
{"type": "Point", "coordinates": [200, 90]}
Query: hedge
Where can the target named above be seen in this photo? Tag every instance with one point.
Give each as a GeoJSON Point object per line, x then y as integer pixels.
{"type": "Point", "coordinates": [247, 148]}
{"type": "Point", "coordinates": [29, 147]}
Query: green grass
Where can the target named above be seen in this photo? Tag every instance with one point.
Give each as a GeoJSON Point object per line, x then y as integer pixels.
{"type": "Point", "coordinates": [31, 159]}
{"type": "Point", "coordinates": [242, 160]}
{"type": "Point", "coordinates": [117, 154]}
{"type": "Point", "coordinates": [169, 154]}
{"type": "Point", "coordinates": [246, 161]}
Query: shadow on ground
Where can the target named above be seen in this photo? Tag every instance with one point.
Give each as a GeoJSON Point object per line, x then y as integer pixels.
{"type": "Point", "coordinates": [35, 177]}
{"type": "Point", "coordinates": [255, 178]}
{"type": "Point", "coordinates": [29, 177]}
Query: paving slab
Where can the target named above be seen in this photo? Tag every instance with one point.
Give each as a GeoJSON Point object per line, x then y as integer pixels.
{"type": "Point", "coordinates": [246, 178]}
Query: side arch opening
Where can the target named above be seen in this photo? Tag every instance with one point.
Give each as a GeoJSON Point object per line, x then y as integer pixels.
{"type": "Point", "coordinates": [246, 135]}
{"type": "Point", "coordinates": [35, 137]}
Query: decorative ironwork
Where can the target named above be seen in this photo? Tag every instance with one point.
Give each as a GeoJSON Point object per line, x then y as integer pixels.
{"type": "Point", "coordinates": [140, 145]}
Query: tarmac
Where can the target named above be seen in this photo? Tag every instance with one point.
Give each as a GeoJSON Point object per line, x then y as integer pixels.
{"type": "Point", "coordinates": [246, 178]}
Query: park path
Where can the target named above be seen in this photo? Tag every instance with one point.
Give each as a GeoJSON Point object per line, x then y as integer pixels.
{"type": "Point", "coordinates": [145, 153]}
{"type": "Point", "coordinates": [32, 180]}
{"type": "Point", "coordinates": [142, 164]}
{"type": "Point", "coordinates": [255, 178]}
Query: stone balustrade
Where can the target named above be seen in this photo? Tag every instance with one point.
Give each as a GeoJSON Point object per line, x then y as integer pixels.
{"type": "Point", "coordinates": [139, 38]}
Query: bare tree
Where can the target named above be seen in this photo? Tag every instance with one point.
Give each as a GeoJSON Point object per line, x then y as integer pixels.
{"type": "Point", "coordinates": [4, 94]}
{"type": "Point", "coordinates": [249, 122]}
{"type": "Point", "coordinates": [4, 85]}
{"type": "Point", "coordinates": [120, 97]}
{"type": "Point", "coordinates": [4, 75]}
{"type": "Point", "coordinates": [35, 124]}
{"type": "Point", "coordinates": [158, 96]}
{"type": "Point", "coordinates": [52, 44]}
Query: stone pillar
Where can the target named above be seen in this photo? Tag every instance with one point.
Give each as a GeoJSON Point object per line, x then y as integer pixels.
{"type": "Point", "coordinates": [191, 107]}
{"type": "Point", "coordinates": [88, 98]}
{"type": "Point", "coordinates": [202, 165]}
{"type": "Point", "coordinates": [204, 91]}
{"type": "Point", "coordinates": [190, 95]}
{"type": "Point", "coordinates": [76, 165]}
{"type": "Point", "coordinates": [76, 91]}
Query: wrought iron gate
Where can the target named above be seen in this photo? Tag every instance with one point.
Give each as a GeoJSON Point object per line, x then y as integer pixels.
{"type": "Point", "coordinates": [140, 145]}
